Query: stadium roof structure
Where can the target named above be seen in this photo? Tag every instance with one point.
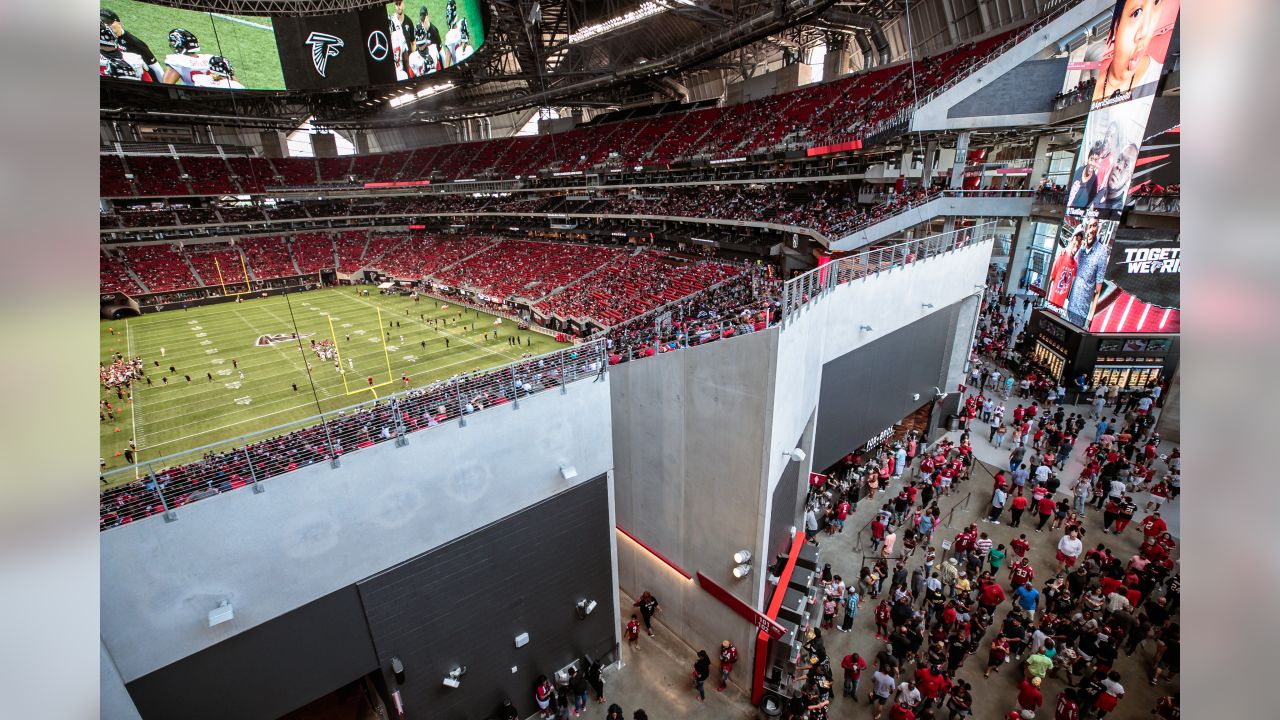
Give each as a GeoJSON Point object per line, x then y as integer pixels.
{"type": "Point", "coordinates": [537, 53]}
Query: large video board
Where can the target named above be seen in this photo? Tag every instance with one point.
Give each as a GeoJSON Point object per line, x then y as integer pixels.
{"type": "Point", "coordinates": [1111, 152]}
{"type": "Point", "coordinates": [145, 42]}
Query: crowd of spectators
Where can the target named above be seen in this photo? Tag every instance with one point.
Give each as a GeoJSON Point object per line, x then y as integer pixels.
{"type": "Point", "coordinates": [634, 285]}
{"type": "Point", "coordinates": [1081, 92]}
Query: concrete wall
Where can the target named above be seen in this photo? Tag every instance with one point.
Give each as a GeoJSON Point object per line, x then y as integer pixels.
{"type": "Point", "coordinates": [115, 703]}
{"type": "Point", "coordinates": [699, 437]}
{"type": "Point", "coordinates": [319, 529]}
{"type": "Point", "coordinates": [943, 206]}
{"type": "Point", "coordinates": [1025, 90]}
{"type": "Point", "coordinates": [689, 431]}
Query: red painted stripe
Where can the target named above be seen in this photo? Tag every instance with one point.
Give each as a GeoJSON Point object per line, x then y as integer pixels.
{"type": "Point", "coordinates": [655, 553]}
{"type": "Point", "coordinates": [775, 604]}
{"type": "Point", "coordinates": [1153, 158]}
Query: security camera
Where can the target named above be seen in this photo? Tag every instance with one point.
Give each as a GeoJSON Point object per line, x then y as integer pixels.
{"type": "Point", "coordinates": [797, 455]}
{"type": "Point", "coordinates": [452, 682]}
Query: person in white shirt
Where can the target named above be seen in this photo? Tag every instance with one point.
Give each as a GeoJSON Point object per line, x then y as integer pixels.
{"type": "Point", "coordinates": [1069, 549]}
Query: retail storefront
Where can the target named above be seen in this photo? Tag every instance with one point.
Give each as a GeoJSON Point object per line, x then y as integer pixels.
{"type": "Point", "coordinates": [1130, 362]}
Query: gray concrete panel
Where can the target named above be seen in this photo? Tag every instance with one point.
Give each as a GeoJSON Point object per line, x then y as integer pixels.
{"type": "Point", "coordinates": [319, 529]}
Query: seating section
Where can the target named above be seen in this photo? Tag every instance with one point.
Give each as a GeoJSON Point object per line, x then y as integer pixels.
{"type": "Point", "coordinates": [313, 252]}
{"type": "Point", "coordinates": [422, 257]}
{"type": "Point", "coordinates": [268, 257]}
{"type": "Point", "coordinates": [160, 267]}
{"type": "Point", "coordinates": [848, 108]}
{"type": "Point", "coordinates": [525, 269]}
{"type": "Point", "coordinates": [112, 275]}
{"type": "Point", "coordinates": [157, 176]}
{"type": "Point", "coordinates": [209, 175]}
{"type": "Point", "coordinates": [350, 247]}
{"type": "Point", "coordinates": [111, 177]}
{"type": "Point", "coordinates": [639, 283]}
{"type": "Point", "coordinates": [216, 263]}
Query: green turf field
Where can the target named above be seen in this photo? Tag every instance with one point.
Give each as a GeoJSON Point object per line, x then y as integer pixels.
{"type": "Point", "coordinates": [178, 416]}
{"type": "Point", "coordinates": [250, 43]}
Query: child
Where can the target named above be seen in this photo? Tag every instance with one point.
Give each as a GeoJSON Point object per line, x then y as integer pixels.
{"type": "Point", "coordinates": [882, 620]}
{"type": "Point", "coordinates": [828, 612]}
{"type": "Point", "coordinates": [633, 633]}
{"type": "Point", "coordinates": [852, 602]}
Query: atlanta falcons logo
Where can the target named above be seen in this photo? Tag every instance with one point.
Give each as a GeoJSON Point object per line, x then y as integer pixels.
{"type": "Point", "coordinates": [323, 47]}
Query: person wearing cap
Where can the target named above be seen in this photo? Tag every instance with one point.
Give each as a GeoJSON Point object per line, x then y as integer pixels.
{"type": "Point", "coordinates": [728, 656]}
{"type": "Point", "coordinates": [1029, 695]}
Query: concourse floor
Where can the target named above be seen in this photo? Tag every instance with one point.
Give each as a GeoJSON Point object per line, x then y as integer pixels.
{"type": "Point", "coordinates": [657, 678]}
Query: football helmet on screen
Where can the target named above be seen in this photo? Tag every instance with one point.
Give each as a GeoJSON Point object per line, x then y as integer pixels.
{"type": "Point", "coordinates": [107, 39]}
{"type": "Point", "coordinates": [120, 68]}
{"type": "Point", "coordinates": [184, 41]}
{"type": "Point", "coordinates": [221, 66]}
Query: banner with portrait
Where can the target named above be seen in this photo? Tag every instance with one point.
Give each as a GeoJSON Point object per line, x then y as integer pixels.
{"type": "Point", "coordinates": [1111, 152]}
{"type": "Point", "coordinates": [1079, 267]}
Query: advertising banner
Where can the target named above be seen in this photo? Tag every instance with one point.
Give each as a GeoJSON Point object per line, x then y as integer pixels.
{"type": "Point", "coordinates": [1129, 68]}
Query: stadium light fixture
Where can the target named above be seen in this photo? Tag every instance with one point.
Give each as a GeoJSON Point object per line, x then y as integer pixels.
{"type": "Point", "coordinates": [645, 10]}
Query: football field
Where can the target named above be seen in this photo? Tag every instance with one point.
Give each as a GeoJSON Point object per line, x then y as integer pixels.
{"type": "Point", "coordinates": [241, 378]}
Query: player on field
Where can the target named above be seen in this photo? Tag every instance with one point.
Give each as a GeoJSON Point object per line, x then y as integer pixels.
{"type": "Point", "coordinates": [401, 35]}
{"type": "Point", "coordinates": [114, 62]}
{"type": "Point", "coordinates": [192, 67]}
{"type": "Point", "coordinates": [130, 43]}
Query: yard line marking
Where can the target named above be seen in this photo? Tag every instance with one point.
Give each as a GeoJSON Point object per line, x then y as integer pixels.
{"type": "Point", "coordinates": [295, 407]}
{"type": "Point", "coordinates": [241, 21]}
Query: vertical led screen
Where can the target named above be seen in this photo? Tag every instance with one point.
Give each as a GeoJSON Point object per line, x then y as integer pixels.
{"type": "Point", "coordinates": [1114, 134]}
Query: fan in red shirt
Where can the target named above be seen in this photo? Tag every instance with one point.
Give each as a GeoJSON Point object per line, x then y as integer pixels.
{"type": "Point", "coordinates": [1021, 573]}
{"type": "Point", "coordinates": [1020, 546]}
{"type": "Point", "coordinates": [1068, 707]}
{"type": "Point", "coordinates": [990, 595]}
{"type": "Point", "coordinates": [1029, 697]}
{"type": "Point", "coordinates": [901, 712]}
{"type": "Point", "coordinates": [1153, 525]}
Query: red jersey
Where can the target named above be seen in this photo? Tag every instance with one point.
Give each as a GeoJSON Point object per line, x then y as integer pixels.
{"type": "Point", "coordinates": [1029, 697]}
{"type": "Point", "coordinates": [1061, 276]}
{"type": "Point", "coordinates": [1153, 526]}
{"type": "Point", "coordinates": [882, 614]}
{"type": "Point", "coordinates": [1020, 546]}
{"type": "Point", "coordinates": [1021, 575]}
{"type": "Point", "coordinates": [1067, 709]}
{"type": "Point", "coordinates": [1020, 503]}
{"type": "Point", "coordinates": [633, 630]}
{"type": "Point", "coordinates": [1046, 506]}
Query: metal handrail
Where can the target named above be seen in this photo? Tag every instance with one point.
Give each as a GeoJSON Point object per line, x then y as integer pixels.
{"type": "Point", "coordinates": [801, 290]}
{"type": "Point", "coordinates": [930, 197]}
{"type": "Point", "coordinates": [507, 384]}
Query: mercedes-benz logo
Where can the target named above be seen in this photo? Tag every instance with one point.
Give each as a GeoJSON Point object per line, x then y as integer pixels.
{"type": "Point", "coordinates": [378, 45]}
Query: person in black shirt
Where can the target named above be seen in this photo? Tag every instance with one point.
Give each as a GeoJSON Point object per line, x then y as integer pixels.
{"type": "Point", "coordinates": [130, 43]}
{"type": "Point", "coordinates": [958, 648]}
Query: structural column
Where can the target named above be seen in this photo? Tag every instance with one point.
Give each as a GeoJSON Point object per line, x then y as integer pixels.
{"type": "Point", "coordinates": [962, 158]}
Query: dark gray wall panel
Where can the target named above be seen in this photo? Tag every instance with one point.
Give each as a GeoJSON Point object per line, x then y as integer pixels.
{"type": "Point", "coordinates": [870, 388]}
{"type": "Point", "coordinates": [1028, 88]}
{"type": "Point", "coordinates": [788, 497]}
{"type": "Point", "coordinates": [265, 672]}
{"type": "Point", "coordinates": [464, 602]}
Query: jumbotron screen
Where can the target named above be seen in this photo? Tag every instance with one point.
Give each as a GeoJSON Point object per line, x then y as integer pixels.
{"type": "Point", "coordinates": [145, 42]}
